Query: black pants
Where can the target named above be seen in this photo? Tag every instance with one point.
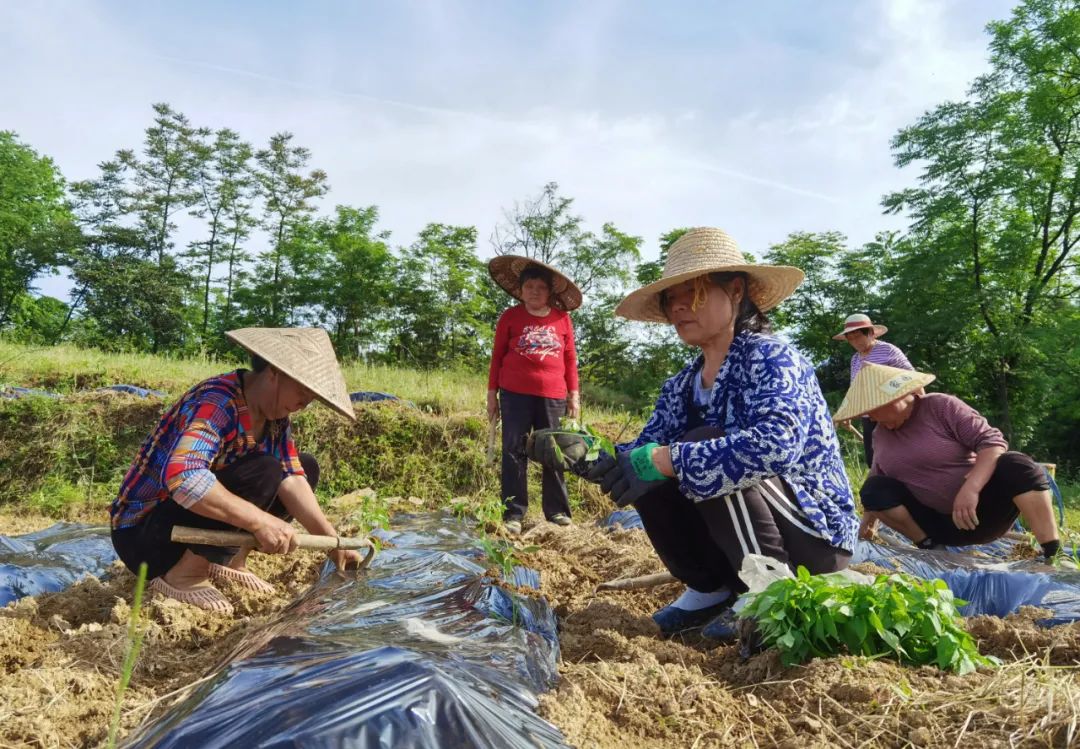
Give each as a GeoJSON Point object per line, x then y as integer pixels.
{"type": "Point", "coordinates": [255, 478]}
{"type": "Point", "coordinates": [703, 543]}
{"type": "Point", "coordinates": [520, 415]}
{"type": "Point", "coordinates": [868, 426]}
{"type": "Point", "coordinates": [1014, 474]}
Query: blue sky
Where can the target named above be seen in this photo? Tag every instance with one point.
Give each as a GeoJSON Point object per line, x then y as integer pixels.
{"type": "Point", "coordinates": [761, 118]}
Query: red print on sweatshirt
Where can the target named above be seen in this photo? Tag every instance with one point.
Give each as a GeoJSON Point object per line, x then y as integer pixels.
{"type": "Point", "coordinates": [539, 342]}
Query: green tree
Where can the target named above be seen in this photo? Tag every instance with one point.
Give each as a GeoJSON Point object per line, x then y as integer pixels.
{"type": "Point", "coordinates": [36, 319]}
{"type": "Point", "coordinates": [998, 196]}
{"type": "Point", "coordinates": [441, 314]}
{"type": "Point", "coordinates": [288, 193]}
{"type": "Point", "coordinates": [164, 176]}
{"type": "Point", "coordinates": [134, 304]}
{"type": "Point", "coordinates": [35, 220]}
{"type": "Point", "coordinates": [100, 205]}
{"type": "Point", "coordinates": [239, 220]}
{"type": "Point", "coordinates": [223, 181]}
{"type": "Point", "coordinates": [130, 300]}
{"type": "Point", "coordinates": [542, 227]}
{"type": "Point", "coordinates": [354, 285]}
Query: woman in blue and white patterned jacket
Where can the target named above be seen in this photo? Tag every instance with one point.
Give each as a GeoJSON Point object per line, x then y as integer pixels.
{"type": "Point", "coordinates": [740, 455]}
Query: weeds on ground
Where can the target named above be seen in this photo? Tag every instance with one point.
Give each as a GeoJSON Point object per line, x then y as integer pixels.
{"type": "Point", "coordinates": [135, 638]}
{"type": "Point", "coordinates": [912, 620]}
{"type": "Point", "coordinates": [486, 510]}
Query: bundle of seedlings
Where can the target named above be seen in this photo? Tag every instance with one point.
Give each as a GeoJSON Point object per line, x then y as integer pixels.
{"type": "Point", "coordinates": [896, 616]}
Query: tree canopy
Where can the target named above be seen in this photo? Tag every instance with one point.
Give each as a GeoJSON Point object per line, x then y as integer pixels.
{"type": "Point", "coordinates": [195, 230]}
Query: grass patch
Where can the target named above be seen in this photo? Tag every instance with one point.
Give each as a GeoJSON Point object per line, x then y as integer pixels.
{"type": "Point", "coordinates": [67, 456]}
{"type": "Point", "coordinates": [60, 455]}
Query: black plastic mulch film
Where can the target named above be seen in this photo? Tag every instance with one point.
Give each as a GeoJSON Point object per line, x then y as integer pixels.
{"type": "Point", "coordinates": [424, 650]}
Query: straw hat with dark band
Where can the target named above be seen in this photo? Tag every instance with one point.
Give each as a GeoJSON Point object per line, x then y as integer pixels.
{"type": "Point", "coordinates": [506, 270]}
{"type": "Point", "coordinates": [858, 322]}
{"type": "Point", "coordinates": [877, 385]}
{"type": "Point", "coordinates": [701, 251]}
{"type": "Point", "coordinates": [304, 354]}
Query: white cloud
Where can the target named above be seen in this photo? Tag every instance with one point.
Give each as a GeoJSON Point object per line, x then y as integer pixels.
{"type": "Point", "coordinates": [413, 134]}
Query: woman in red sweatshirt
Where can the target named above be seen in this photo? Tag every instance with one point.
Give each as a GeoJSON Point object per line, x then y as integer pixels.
{"type": "Point", "coordinates": [533, 380]}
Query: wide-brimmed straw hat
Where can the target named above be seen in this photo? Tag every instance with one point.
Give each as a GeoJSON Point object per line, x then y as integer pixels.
{"type": "Point", "coordinates": [877, 385]}
{"type": "Point", "coordinates": [704, 250]}
{"type": "Point", "coordinates": [858, 322]}
{"type": "Point", "coordinates": [506, 270]}
{"type": "Point", "coordinates": [304, 354]}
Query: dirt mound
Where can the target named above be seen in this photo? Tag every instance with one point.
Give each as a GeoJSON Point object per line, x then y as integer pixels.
{"type": "Point", "coordinates": [61, 654]}
{"type": "Point", "coordinates": [622, 686]}
{"type": "Point", "coordinates": [1019, 635]}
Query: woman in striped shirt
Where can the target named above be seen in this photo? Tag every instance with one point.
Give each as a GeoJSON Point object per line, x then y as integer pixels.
{"type": "Point", "coordinates": [864, 335]}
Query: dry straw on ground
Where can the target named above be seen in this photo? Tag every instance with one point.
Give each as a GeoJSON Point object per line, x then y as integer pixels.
{"type": "Point", "coordinates": [621, 685]}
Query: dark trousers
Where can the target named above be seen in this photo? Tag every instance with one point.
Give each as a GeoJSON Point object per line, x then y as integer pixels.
{"type": "Point", "coordinates": [1014, 474]}
{"type": "Point", "coordinates": [868, 426]}
{"type": "Point", "coordinates": [520, 415]}
{"type": "Point", "coordinates": [255, 478]}
{"type": "Point", "coordinates": [703, 543]}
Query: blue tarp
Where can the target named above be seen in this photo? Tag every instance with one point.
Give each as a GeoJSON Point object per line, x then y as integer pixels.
{"type": "Point", "coordinates": [12, 392]}
{"type": "Point", "coordinates": [977, 574]}
{"type": "Point", "coordinates": [21, 392]}
{"type": "Point", "coordinates": [52, 559]}
{"type": "Point", "coordinates": [367, 396]}
{"type": "Point", "coordinates": [134, 390]}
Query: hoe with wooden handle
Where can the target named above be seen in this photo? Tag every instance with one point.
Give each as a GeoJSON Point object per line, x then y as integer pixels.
{"type": "Point", "coordinates": [185, 535]}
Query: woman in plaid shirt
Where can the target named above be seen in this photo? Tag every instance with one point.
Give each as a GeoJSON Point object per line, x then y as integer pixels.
{"type": "Point", "coordinates": [223, 457]}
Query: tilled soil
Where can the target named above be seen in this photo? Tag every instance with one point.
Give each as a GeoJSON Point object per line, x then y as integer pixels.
{"type": "Point", "coordinates": [61, 655]}
{"type": "Point", "coordinates": [621, 686]}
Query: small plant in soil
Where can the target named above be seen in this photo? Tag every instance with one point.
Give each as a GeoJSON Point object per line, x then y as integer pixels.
{"type": "Point", "coordinates": [897, 616]}
{"type": "Point", "coordinates": [487, 510]}
{"type": "Point", "coordinates": [502, 555]}
{"type": "Point", "coordinates": [135, 639]}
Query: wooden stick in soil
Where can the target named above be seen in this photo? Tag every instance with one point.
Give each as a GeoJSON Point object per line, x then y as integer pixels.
{"type": "Point", "coordinates": [635, 583]}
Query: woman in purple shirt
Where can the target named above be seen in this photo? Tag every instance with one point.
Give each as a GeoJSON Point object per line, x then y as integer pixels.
{"type": "Point", "coordinates": [941, 474]}
{"type": "Point", "coordinates": [860, 331]}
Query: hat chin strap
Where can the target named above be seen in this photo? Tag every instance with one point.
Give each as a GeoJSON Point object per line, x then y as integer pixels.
{"type": "Point", "coordinates": [277, 392]}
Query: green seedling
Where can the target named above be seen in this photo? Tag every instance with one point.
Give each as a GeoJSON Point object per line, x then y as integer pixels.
{"type": "Point", "coordinates": [503, 555]}
{"type": "Point", "coordinates": [897, 616]}
{"type": "Point", "coordinates": [135, 640]}
{"type": "Point", "coordinates": [487, 511]}
{"type": "Point", "coordinates": [595, 441]}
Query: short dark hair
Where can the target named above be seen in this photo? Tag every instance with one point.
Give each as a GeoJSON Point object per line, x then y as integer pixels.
{"type": "Point", "coordinates": [535, 271]}
{"type": "Point", "coordinates": [747, 317]}
{"type": "Point", "coordinates": [258, 364]}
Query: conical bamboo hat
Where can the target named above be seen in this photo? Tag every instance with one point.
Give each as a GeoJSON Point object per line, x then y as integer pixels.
{"type": "Point", "coordinates": [304, 354]}
{"type": "Point", "coordinates": [877, 385]}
